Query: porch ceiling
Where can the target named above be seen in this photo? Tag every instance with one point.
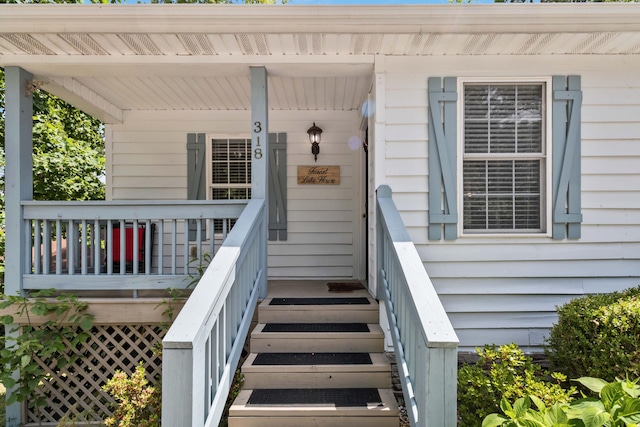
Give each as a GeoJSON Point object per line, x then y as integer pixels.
{"type": "Point", "coordinates": [109, 59]}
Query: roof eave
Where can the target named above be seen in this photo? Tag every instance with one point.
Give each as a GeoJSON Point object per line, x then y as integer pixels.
{"type": "Point", "coordinates": [456, 18]}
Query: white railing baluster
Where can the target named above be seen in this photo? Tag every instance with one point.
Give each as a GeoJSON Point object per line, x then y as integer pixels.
{"type": "Point", "coordinates": [58, 247]}
{"type": "Point", "coordinates": [37, 243]}
{"type": "Point", "coordinates": [97, 247]}
{"type": "Point", "coordinates": [46, 238]}
{"type": "Point", "coordinates": [147, 247]}
{"type": "Point", "coordinates": [212, 238]}
{"type": "Point", "coordinates": [109, 247]}
{"type": "Point", "coordinates": [199, 240]}
{"type": "Point", "coordinates": [136, 247]}
{"type": "Point", "coordinates": [83, 245]}
{"type": "Point", "coordinates": [185, 263]}
{"type": "Point", "coordinates": [123, 250]}
{"type": "Point", "coordinates": [174, 243]}
{"type": "Point", "coordinates": [161, 246]}
{"type": "Point", "coordinates": [424, 341]}
{"type": "Point", "coordinates": [71, 248]}
{"type": "Point", "coordinates": [219, 311]}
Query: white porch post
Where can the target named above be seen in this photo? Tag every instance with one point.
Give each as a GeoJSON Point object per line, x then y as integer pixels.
{"type": "Point", "coordinates": [260, 153]}
{"type": "Point", "coordinates": [18, 187]}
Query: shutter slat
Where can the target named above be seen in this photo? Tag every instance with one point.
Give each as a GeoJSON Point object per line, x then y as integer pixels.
{"type": "Point", "coordinates": [567, 103]}
{"type": "Point", "coordinates": [196, 175]}
{"type": "Point", "coordinates": [278, 186]}
{"type": "Point", "coordinates": [442, 158]}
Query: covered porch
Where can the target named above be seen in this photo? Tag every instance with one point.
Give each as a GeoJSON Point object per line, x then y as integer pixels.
{"type": "Point", "coordinates": [155, 82]}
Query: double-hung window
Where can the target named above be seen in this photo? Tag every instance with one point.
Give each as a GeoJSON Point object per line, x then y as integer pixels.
{"type": "Point", "coordinates": [504, 157]}
{"type": "Point", "coordinates": [230, 172]}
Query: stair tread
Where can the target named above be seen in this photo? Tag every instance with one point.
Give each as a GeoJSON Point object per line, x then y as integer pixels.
{"type": "Point", "coordinates": [349, 397]}
{"type": "Point", "coordinates": [294, 363]}
{"type": "Point", "coordinates": [317, 402]}
{"type": "Point", "coordinates": [298, 331]}
{"type": "Point", "coordinates": [263, 359]}
{"type": "Point", "coordinates": [319, 301]}
{"type": "Point", "coordinates": [315, 327]}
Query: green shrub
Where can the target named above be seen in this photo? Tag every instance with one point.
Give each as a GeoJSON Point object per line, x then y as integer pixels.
{"type": "Point", "coordinates": [598, 336]}
{"type": "Point", "coordinates": [617, 405]}
{"type": "Point", "coordinates": [139, 404]}
{"type": "Point", "coordinates": [503, 372]}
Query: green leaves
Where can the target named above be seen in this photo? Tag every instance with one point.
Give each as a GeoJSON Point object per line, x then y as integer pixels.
{"type": "Point", "coordinates": [60, 338]}
{"type": "Point", "coordinates": [618, 405]}
{"type": "Point", "coordinates": [505, 372]}
{"type": "Point", "coordinates": [597, 335]}
{"type": "Point", "coordinates": [139, 404]}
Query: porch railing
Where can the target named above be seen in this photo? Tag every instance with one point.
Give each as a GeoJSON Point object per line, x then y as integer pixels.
{"type": "Point", "coordinates": [203, 346]}
{"type": "Point", "coordinates": [120, 245]}
{"type": "Point", "coordinates": [424, 340]}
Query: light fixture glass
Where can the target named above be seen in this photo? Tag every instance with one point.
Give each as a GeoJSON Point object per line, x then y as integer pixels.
{"type": "Point", "coordinates": [314, 138]}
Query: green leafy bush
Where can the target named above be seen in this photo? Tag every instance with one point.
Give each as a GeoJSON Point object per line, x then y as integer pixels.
{"type": "Point", "coordinates": [598, 336]}
{"type": "Point", "coordinates": [139, 404]}
{"type": "Point", "coordinates": [56, 328]}
{"type": "Point", "coordinates": [617, 405]}
{"type": "Point", "coordinates": [504, 372]}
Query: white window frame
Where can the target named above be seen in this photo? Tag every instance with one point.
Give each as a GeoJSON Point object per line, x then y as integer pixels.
{"type": "Point", "coordinates": [546, 184]}
{"type": "Point", "coordinates": [209, 165]}
{"type": "Point", "coordinates": [209, 153]}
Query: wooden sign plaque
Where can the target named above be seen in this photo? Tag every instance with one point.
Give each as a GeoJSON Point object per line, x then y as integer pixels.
{"type": "Point", "coordinates": [319, 175]}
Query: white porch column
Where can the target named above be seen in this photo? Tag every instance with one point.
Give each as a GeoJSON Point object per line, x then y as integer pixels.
{"type": "Point", "coordinates": [18, 173]}
{"type": "Point", "coordinates": [18, 187]}
{"type": "Point", "coordinates": [260, 153]}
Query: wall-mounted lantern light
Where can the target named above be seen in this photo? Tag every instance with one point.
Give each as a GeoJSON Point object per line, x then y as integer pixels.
{"type": "Point", "coordinates": [314, 138]}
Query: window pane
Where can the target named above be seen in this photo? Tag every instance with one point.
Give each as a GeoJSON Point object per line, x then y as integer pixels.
{"type": "Point", "coordinates": [503, 118]}
{"type": "Point", "coordinates": [476, 136]}
{"type": "Point", "coordinates": [502, 195]}
{"type": "Point", "coordinates": [475, 212]}
{"type": "Point", "coordinates": [502, 102]}
{"type": "Point", "coordinates": [500, 213]}
{"type": "Point", "coordinates": [230, 169]}
{"type": "Point", "coordinates": [527, 212]}
{"type": "Point", "coordinates": [476, 102]}
{"type": "Point", "coordinates": [500, 177]}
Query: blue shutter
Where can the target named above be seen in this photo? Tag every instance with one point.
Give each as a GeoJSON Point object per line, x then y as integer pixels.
{"type": "Point", "coordinates": [196, 175]}
{"type": "Point", "coordinates": [442, 158]}
{"type": "Point", "coordinates": [278, 186]}
{"type": "Point", "coordinates": [567, 102]}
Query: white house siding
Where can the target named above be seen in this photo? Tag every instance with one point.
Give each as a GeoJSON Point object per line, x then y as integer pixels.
{"type": "Point", "coordinates": [146, 158]}
{"type": "Point", "coordinates": [501, 290]}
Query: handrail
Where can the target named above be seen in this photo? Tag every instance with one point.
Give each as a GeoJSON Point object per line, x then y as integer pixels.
{"type": "Point", "coordinates": [424, 340]}
{"type": "Point", "coordinates": [72, 240]}
{"type": "Point", "coordinates": [202, 348]}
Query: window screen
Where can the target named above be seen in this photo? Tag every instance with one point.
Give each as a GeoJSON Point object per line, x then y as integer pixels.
{"type": "Point", "coordinates": [503, 158]}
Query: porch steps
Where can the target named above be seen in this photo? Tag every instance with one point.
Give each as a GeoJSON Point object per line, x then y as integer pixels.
{"type": "Point", "coordinates": [316, 362]}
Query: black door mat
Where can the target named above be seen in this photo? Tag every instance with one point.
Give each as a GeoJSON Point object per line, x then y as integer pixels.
{"type": "Point", "coordinates": [320, 301]}
{"type": "Point", "coordinates": [345, 397]}
{"type": "Point", "coordinates": [315, 327]}
{"type": "Point", "coordinates": [344, 287]}
{"type": "Point", "coordinates": [312, 359]}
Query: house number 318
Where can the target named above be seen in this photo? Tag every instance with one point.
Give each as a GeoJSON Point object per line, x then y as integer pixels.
{"type": "Point", "coordinates": [257, 152]}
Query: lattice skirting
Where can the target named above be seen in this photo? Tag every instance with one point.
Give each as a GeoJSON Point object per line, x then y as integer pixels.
{"type": "Point", "coordinates": [76, 390]}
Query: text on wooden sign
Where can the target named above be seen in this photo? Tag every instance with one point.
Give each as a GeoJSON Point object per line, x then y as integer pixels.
{"type": "Point", "coordinates": [326, 175]}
